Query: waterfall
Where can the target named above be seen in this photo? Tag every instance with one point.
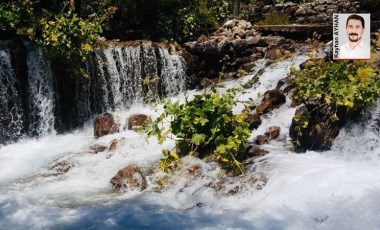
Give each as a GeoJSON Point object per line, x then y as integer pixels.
{"type": "Point", "coordinates": [172, 74]}
{"type": "Point", "coordinates": [120, 76]}
{"type": "Point", "coordinates": [11, 110]}
{"type": "Point", "coordinates": [36, 102]}
{"type": "Point", "coordinates": [40, 92]}
{"type": "Point", "coordinates": [126, 74]}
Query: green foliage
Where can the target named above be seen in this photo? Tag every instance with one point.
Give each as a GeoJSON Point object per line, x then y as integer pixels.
{"type": "Point", "coordinates": [203, 126]}
{"type": "Point", "coordinates": [9, 16]}
{"type": "Point", "coordinates": [170, 162]}
{"type": "Point", "coordinates": [170, 19]}
{"type": "Point", "coordinates": [350, 84]}
{"type": "Point", "coordinates": [69, 36]}
{"type": "Point", "coordinates": [57, 27]}
{"type": "Point", "coordinates": [275, 18]}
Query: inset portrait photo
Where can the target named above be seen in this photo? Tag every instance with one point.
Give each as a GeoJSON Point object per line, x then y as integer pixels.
{"type": "Point", "coordinates": [351, 40]}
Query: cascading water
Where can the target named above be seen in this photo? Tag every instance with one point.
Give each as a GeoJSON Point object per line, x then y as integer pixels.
{"type": "Point", "coordinates": [172, 73]}
{"type": "Point", "coordinates": [127, 73]}
{"type": "Point", "coordinates": [36, 103]}
{"type": "Point", "coordinates": [11, 110]}
{"type": "Point", "coordinates": [59, 184]}
{"type": "Point", "coordinates": [41, 93]}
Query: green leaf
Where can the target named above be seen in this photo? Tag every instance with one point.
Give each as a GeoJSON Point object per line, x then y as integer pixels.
{"type": "Point", "coordinates": [198, 139]}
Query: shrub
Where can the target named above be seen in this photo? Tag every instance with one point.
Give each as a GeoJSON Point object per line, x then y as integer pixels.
{"type": "Point", "coordinates": [352, 84]}
{"type": "Point", "coordinates": [56, 26]}
{"type": "Point", "coordinates": [203, 126]}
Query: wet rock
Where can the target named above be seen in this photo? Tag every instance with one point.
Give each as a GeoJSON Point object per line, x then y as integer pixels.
{"type": "Point", "coordinates": [61, 167]}
{"type": "Point", "coordinates": [234, 190]}
{"type": "Point", "coordinates": [137, 121]}
{"type": "Point", "coordinates": [286, 84]}
{"type": "Point", "coordinates": [273, 132]}
{"type": "Point", "coordinates": [261, 139]}
{"type": "Point", "coordinates": [97, 148]}
{"type": "Point", "coordinates": [316, 125]}
{"type": "Point", "coordinates": [253, 120]}
{"type": "Point", "coordinates": [256, 151]}
{"type": "Point", "coordinates": [205, 82]}
{"type": "Point", "coordinates": [272, 99]}
{"type": "Point", "coordinates": [105, 124]}
{"type": "Point", "coordinates": [114, 144]}
{"type": "Point", "coordinates": [129, 178]}
{"type": "Point", "coordinates": [194, 171]}
{"type": "Point", "coordinates": [254, 79]}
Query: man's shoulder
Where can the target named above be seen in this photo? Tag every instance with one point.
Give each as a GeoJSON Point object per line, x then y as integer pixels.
{"type": "Point", "coordinates": [344, 46]}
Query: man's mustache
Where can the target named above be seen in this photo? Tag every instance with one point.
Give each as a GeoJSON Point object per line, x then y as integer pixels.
{"type": "Point", "coordinates": [353, 34]}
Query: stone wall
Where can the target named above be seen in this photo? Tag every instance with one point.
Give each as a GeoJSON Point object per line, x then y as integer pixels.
{"type": "Point", "coordinates": [319, 11]}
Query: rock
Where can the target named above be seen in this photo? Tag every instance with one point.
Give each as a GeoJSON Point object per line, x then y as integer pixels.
{"type": "Point", "coordinates": [256, 151]}
{"type": "Point", "coordinates": [273, 40]}
{"type": "Point", "coordinates": [137, 121]}
{"type": "Point", "coordinates": [194, 171]}
{"type": "Point", "coordinates": [61, 167]}
{"type": "Point", "coordinates": [253, 120]}
{"type": "Point", "coordinates": [313, 128]}
{"type": "Point", "coordinates": [286, 84]}
{"type": "Point", "coordinates": [260, 140]}
{"type": "Point", "coordinates": [300, 12]}
{"type": "Point", "coordinates": [97, 149]}
{"type": "Point", "coordinates": [105, 124]}
{"type": "Point", "coordinates": [129, 178]}
{"type": "Point", "coordinates": [230, 23]}
{"type": "Point", "coordinates": [272, 99]}
{"type": "Point", "coordinates": [273, 132]}
{"type": "Point", "coordinates": [114, 144]}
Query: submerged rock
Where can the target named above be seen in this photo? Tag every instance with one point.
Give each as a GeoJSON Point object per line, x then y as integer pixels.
{"type": "Point", "coordinates": [105, 124]}
{"type": "Point", "coordinates": [61, 167]}
{"type": "Point", "coordinates": [94, 149]}
{"type": "Point", "coordinates": [129, 178]}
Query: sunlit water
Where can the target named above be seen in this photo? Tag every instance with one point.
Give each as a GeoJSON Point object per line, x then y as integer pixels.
{"type": "Point", "coordinates": [337, 189]}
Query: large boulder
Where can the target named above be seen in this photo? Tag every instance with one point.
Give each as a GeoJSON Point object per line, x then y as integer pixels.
{"type": "Point", "coordinates": [316, 125]}
{"type": "Point", "coordinates": [105, 124]}
{"type": "Point", "coordinates": [129, 178]}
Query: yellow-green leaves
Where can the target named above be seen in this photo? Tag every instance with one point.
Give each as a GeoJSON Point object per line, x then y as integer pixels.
{"type": "Point", "coordinates": [350, 84]}
{"type": "Point", "coordinates": [203, 126]}
{"type": "Point", "coordinates": [169, 162]}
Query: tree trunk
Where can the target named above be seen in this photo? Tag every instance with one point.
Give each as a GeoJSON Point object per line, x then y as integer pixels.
{"type": "Point", "coordinates": [236, 11]}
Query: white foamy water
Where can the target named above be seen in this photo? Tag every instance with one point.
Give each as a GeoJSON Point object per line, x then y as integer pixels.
{"type": "Point", "coordinates": [337, 189]}
{"type": "Point", "coordinates": [40, 91]}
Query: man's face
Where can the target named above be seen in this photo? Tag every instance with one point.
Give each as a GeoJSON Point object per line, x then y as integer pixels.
{"type": "Point", "coordinates": [354, 30]}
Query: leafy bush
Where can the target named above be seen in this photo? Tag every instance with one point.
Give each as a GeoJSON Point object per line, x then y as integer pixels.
{"type": "Point", "coordinates": [57, 27]}
{"type": "Point", "coordinates": [203, 126]}
{"type": "Point", "coordinates": [350, 84]}
{"type": "Point", "coordinates": [69, 38]}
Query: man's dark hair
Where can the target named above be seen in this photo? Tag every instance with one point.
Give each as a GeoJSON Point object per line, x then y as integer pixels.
{"type": "Point", "coordinates": [355, 17]}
